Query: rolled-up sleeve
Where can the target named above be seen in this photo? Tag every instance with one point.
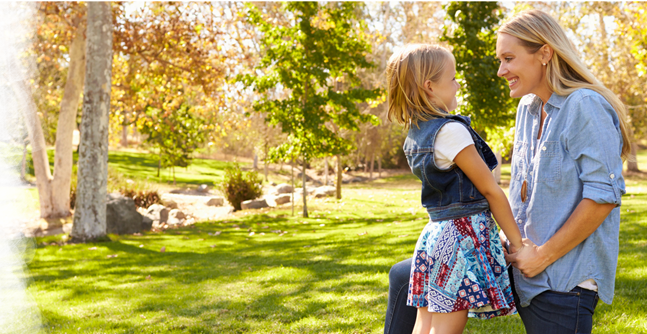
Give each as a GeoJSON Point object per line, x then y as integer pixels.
{"type": "Point", "coordinates": [594, 141]}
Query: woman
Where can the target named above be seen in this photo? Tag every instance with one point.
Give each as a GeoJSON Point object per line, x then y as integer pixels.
{"type": "Point", "coordinates": [566, 181]}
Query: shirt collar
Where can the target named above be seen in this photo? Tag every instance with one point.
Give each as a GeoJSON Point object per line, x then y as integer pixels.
{"type": "Point", "coordinates": [555, 100]}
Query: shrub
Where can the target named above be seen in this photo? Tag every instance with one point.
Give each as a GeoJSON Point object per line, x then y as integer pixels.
{"type": "Point", "coordinates": [142, 198]}
{"type": "Point", "coordinates": [239, 186]}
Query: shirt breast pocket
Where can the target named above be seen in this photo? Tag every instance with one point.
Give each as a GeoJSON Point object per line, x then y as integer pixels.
{"type": "Point", "coordinates": [518, 160]}
{"type": "Point", "coordinates": [549, 163]}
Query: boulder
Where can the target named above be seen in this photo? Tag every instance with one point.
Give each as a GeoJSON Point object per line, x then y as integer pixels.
{"type": "Point", "coordinates": [283, 198]}
{"type": "Point", "coordinates": [325, 191]}
{"type": "Point", "coordinates": [215, 201]}
{"type": "Point", "coordinates": [122, 216]}
{"type": "Point", "coordinates": [170, 204]}
{"type": "Point", "coordinates": [203, 188]}
{"type": "Point", "coordinates": [147, 223]}
{"type": "Point", "coordinates": [158, 212]}
{"type": "Point", "coordinates": [254, 204]}
{"type": "Point", "coordinates": [175, 217]}
{"type": "Point", "coordinates": [283, 188]}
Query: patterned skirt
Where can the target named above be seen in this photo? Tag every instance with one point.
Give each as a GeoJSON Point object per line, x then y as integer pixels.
{"type": "Point", "coordinates": [459, 265]}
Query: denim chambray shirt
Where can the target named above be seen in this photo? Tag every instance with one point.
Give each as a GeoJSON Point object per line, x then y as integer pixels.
{"type": "Point", "coordinates": [577, 157]}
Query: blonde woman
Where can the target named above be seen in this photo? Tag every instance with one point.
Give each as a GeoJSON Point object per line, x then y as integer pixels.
{"type": "Point", "coordinates": [566, 181]}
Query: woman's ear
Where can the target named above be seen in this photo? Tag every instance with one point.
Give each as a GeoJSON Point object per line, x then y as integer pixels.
{"type": "Point", "coordinates": [546, 53]}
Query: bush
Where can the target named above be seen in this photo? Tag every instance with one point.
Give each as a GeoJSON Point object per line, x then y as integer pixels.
{"type": "Point", "coordinates": [239, 186]}
{"type": "Point", "coordinates": [142, 198]}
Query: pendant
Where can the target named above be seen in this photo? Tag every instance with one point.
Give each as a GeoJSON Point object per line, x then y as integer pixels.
{"type": "Point", "coordinates": [524, 191]}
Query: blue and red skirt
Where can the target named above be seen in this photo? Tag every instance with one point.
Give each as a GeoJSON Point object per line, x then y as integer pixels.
{"type": "Point", "coordinates": [458, 264]}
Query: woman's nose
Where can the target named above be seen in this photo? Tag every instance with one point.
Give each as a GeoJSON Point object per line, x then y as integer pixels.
{"type": "Point", "coordinates": [502, 70]}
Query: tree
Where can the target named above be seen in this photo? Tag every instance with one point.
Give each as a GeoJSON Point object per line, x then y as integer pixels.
{"type": "Point", "coordinates": [320, 48]}
{"type": "Point", "coordinates": [63, 23]}
{"type": "Point", "coordinates": [90, 206]}
{"type": "Point", "coordinates": [175, 134]}
{"type": "Point", "coordinates": [485, 97]}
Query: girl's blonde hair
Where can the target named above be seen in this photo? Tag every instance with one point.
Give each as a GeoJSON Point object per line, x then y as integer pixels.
{"type": "Point", "coordinates": [406, 73]}
{"type": "Point", "coordinates": [565, 71]}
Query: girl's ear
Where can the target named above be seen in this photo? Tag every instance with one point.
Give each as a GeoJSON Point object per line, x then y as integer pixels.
{"type": "Point", "coordinates": [427, 84]}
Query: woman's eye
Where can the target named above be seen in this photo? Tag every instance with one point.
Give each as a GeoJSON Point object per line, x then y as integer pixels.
{"type": "Point", "coordinates": [508, 59]}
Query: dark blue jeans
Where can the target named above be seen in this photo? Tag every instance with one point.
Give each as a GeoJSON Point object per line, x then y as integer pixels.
{"type": "Point", "coordinates": [400, 318]}
{"type": "Point", "coordinates": [550, 312]}
{"type": "Point", "coordinates": [559, 312]}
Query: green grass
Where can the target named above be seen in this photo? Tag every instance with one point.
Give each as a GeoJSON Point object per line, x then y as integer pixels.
{"type": "Point", "coordinates": [328, 274]}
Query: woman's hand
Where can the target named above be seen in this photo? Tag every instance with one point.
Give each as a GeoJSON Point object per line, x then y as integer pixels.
{"type": "Point", "coordinates": [529, 259]}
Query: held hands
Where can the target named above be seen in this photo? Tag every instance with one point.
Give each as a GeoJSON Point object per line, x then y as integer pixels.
{"type": "Point", "coordinates": [529, 259]}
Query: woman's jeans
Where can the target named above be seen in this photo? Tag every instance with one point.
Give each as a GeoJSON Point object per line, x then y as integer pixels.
{"type": "Point", "coordinates": [550, 312]}
{"type": "Point", "coordinates": [400, 318]}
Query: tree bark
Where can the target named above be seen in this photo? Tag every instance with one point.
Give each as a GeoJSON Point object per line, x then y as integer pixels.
{"type": "Point", "coordinates": [339, 177]}
{"type": "Point", "coordinates": [325, 171]}
{"type": "Point", "coordinates": [370, 176]}
{"type": "Point", "coordinates": [292, 176]}
{"type": "Point", "coordinates": [64, 150]}
{"type": "Point", "coordinates": [632, 162]}
{"type": "Point", "coordinates": [38, 149]}
{"type": "Point", "coordinates": [305, 193]}
{"type": "Point", "coordinates": [90, 207]}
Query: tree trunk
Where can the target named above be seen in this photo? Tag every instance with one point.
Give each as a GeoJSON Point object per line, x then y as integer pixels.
{"type": "Point", "coordinates": [64, 151]}
{"type": "Point", "coordinates": [23, 163]}
{"type": "Point", "coordinates": [339, 178]}
{"type": "Point", "coordinates": [90, 208]}
{"type": "Point", "coordinates": [305, 193]}
{"type": "Point", "coordinates": [38, 148]}
{"type": "Point", "coordinates": [370, 176]}
{"type": "Point", "coordinates": [124, 134]}
{"type": "Point", "coordinates": [497, 170]}
{"type": "Point", "coordinates": [325, 171]}
{"type": "Point", "coordinates": [292, 175]}
{"type": "Point", "coordinates": [379, 166]}
{"type": "Point", "coordinates": [632, 162]}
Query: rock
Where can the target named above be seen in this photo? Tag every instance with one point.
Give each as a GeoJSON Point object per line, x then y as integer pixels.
{"type": "Point", "coordinates": [158, 212]}
{"type": "Point", "coordinates": [203, 188]}
{"type": "Point", "coordinates": [283, 188]}
{"type": "Point", "coordinates": [299, 191]}
{"type": "Point", "coordinates": [147, 223]}
{"type": "Point", "coordinates": [325, 191]}
{"type": "Point", "coordinates": [254, 204]}
{"type": "Point", "coordinates": [169, 203]}
{"type": "Point", "coordinates": [122, 216]}
{"type": "Point", "coordinates": [17, 235]}
{"type": "Point", "coordinates": [273, 184]}
{"type": "Point", "coordinates": [283, 198]}
{"type": "Point", "coordinates": [175, 217]}
{"type": "Point", "coordinates": [215, 201]}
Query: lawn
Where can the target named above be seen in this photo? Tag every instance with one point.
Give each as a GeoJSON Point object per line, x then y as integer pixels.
{"type": "Point", "coordinates": [269, 272]}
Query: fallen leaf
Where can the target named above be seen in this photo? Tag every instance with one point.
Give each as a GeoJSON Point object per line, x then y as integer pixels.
{"type": "Point", "coordinates": [217, 233]}
{"type": "Point", "coordinates": [251, 233]}
{"type": "Point", "coordinates": [262, 233]}
{"type": "Point", "coordinates": [266, 227]}
{"type": "Point", "coordinates": [92, 248]}
{"type": "Point", "coordinates": [363, 233]}
{"type": "Point", "coordinates": [213, 246]}
{"type": "Point", "coordinates": [163, 249]}
{"type": "Point", "coordinates": [402, 236]}
{"type": "Point", "coordinates": [148, 277]}
{"type": "Point", "coordinates": [112, 255]}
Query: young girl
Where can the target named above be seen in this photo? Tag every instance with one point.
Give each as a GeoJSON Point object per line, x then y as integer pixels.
{"type": "Point", "coordinates": [458, 267]}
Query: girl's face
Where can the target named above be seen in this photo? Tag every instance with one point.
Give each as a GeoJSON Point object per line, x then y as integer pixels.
{"type": "Point", "coordinates": [444, 90]}
{"type": "Point", "coordinates": [524, 71]}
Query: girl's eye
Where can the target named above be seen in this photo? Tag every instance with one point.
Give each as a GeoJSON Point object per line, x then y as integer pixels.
{"type": "Point", "coordinates": [508, 59]}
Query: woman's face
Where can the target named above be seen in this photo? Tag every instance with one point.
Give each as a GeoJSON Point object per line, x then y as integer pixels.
{"type": "Point", "coordinates": [444, 90]}
{"type": "Point", "coordinates": [524, 71]}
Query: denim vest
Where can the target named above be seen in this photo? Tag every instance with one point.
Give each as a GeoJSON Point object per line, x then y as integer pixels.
{"type": "Point", "coordinates": [448, 193]}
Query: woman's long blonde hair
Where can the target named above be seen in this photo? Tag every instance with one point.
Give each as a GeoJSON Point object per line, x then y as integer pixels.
{"type": "Point", "coordinates": [406, 73]}
{"type": "Point", "coordinates": [565, 71]}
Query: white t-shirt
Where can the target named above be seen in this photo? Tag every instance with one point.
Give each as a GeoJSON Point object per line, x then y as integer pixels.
{"type": "Point", "coordinates": [452, 138]}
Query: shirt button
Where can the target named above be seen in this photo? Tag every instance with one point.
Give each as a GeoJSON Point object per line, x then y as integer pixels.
{"type": "Point", "coordinates": [612, 176]}
{"type": "Point", "coordinates": [519, 221]}
{"type": "Point", "coordinates": [543, 148]}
